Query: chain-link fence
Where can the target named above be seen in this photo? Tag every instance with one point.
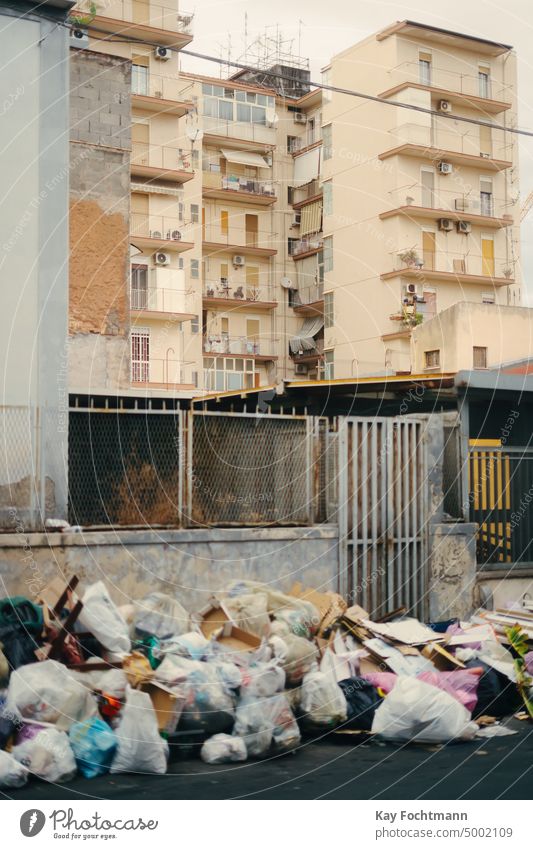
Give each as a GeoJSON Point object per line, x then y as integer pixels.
{"type": "Point", "coordinates": [19, 478]}
{"type": "Point", "coordinates": [125, 468]}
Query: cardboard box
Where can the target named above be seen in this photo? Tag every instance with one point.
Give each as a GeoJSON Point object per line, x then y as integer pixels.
{"type": "Point", "coordinates": [440, 658]}
{"type": "Point", "coordinates": [168, 705]}
{"type": "Point", "coordinates": [235, 639]}
{"type": "Point", "coordinates": [212, 617]}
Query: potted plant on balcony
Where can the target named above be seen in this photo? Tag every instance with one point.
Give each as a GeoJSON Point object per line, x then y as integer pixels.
{"type": "Point", "coordinates": [507, 272]}
{"type": "Point", "coordinates": [411, 258]}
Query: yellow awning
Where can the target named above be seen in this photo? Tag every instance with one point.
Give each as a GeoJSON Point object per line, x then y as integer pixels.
{"type": "Point", "coordinates": [311, 218]}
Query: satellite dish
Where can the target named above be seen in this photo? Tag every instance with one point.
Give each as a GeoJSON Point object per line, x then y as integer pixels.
{"type": "Point", "coordinates": [193, 132]}
{"type": "Point", "coordinates": [286, 282]}
{"type": "Point", "coordinates": [271, 117]}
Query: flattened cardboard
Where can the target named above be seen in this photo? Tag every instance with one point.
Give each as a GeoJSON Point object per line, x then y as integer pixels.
{"type": "Point", "coordinates": [167, 703]}
{"type": "Point", "coordinates": [235, 639]}
{"type": "Point", "coordinates": [440, 658]}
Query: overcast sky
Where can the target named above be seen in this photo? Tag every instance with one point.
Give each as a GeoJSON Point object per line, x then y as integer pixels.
{"type": "Point", "coordinates": [323, 29]}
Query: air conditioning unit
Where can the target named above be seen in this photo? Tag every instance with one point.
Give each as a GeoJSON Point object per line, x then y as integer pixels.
{"type": "Point", "coordinates": [300, 118]}
{"type": "Point", "coordinates": [175, 235]}
{"type": "Point", "coordinates": [445, 168]}
{"type": "Point", "coordinates": [445, 224]}
{"type": "Point", "coordinates": [445, 106]}
{"type": "Point", "coordinates": [161, 258]}
{"type": "Point", "coordinates": [301, 368]}
{"type": "Point", "coordinates": [163, 53]}
{"type": "Point", "coordinates": [238, 261]}
{"type": "Point", "coordinates": [79, 38]}
{"type": "Point", "coordinates": [464, 227]}
{"type": "Point", "coordinates": [297, 219]}
{"type": "Point", "coordinates": [411, 289]}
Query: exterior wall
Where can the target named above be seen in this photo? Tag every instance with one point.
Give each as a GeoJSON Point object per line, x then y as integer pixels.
{"type": "Point", "coordinates": [99, 221]}
{"type": "Point", "coordinates": [33, 296]}
{"type": "Point", "coordinates": [506, 332]}
{"type": "Point", "coordinates": [452, 577]}
{"type": "Point", "coordinates": [189, 565]}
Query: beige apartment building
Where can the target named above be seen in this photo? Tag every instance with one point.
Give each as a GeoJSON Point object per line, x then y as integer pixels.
{"type": "Point", "coordinates": [278, 232]}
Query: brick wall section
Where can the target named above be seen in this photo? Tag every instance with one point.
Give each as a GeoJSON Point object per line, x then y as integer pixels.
{"type": "Point", "coordinates": [100, 134]}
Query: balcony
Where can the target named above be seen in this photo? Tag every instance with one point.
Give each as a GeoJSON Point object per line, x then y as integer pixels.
{"type": "Point", "coordinates": [243, 189]}
{"type": "Point", "coordinates": [234, 296]}
{"type": "Point", "coordinates": [310, 356]}
{"type": "Point", "coordinates": [308, 301]}
{"type": "Point", "coordinates": [163, 373]}
{"type": "Point", "coordinates": [417, 202]}
{"type": "Point", "coordinates": [158, 162]}
{"type": "Point", "coordinates": [239, 242]}
{"type": "Point", "coordinates": [308, 246]}
{"type": "Point", "coordinates": [305, 142]}
{"type": "Point", "coordinates": [157, 93]}
{"type": "Point", "coordinates": [152, 22]}
{"type": "Point", "coordinates": [461, 89]}
{"type": "Point", "coordinates": [238, 134]}
{"type": "Point", "coordinates": [301, 195]}
{"type": "Point", "coordinates": [158, 232]}
{"type": "Point", "coordinates": [452, 267]}
{"type": "Point", "coordinates": [258, 347]}
{"type": "Point", "coordinates": [155, 302]}
{"type": "Point", "coordinates": [460, 146]}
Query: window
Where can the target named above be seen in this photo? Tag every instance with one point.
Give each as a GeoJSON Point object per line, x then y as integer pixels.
{"type": "Point", "coordinates": [225, 373]}
{"type": "Point", "coordinates": [195, 213]}
{"type": "Point", "coordinates": [485, 196]}
{"type": "Point", "coordinates": [224, 222]}
{"type": "Point", "coordinates": [485, 140]}
{"type": "Point", "coordinates": [139, 287]}
{"type": "Point", "coordinates": [480, 357]}
{"type": "Point", "coordinates": [320, 267]}
{"type": "Point", "coordinates": [225, 110]}
{"type": "Point", "coordinates": [139, 79]}
{"type": "Point", "coordinates": [327, 141]}
{"type": "Point", "coordinates": [291, 245]}
{"type": "Point", "coordinates": [488, 298]}
{"type": "Point", "coordinates": [432, 358]}
{"type": "Point", "coordinates": [290, 194]}
{"type": "Point", "coordinates": [484, 81]}
{"type": "Point", "coordinates": [181, 211]}
{"type": "Point", "coordinates": [195, 269]}
{"type": "Point", "coordinates": [293, 143]}
{"type": "Point", "coordinates": [329, 317]}
{"type": "Point", "coordinates": [210, 107]}
{"type": "Point", "coordinates": [424, 68]}
{"type": "Point", "coordinates": [328, 253]}
{"type": "Point", "coordinates": [311, 127]}
{"type": "Point", "coordinates": [487, 255]}
{"type": "Point", "coordinates": [224, 325]}
{"type": "Point", "coordinates": [195, 159]}
{"type": "Point", "coordinates": [195, 324]}
{"type": "Point", "coordinates": [140, 355]}
{"type": "Point", "coordinates": [327, 197]}
{"type": "Point", "coordinates": [329, 365]}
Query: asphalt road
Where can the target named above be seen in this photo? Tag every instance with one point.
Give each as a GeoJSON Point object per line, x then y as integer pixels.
{"type": "Point", "coordinates": [335, 767]}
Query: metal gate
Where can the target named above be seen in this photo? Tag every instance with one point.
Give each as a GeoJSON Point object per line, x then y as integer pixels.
{"type": "Point", "coordinates": [382, 514]}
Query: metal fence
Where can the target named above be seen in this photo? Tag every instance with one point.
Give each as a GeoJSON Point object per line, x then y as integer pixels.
{"type": "Point", "coordinates": [20, 478]}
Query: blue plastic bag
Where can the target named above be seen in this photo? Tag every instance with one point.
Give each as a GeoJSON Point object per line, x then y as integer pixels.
{"type": "Point", "coordinates": [93, 743]}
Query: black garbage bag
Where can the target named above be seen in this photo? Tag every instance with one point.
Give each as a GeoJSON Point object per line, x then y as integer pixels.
{"type": "Point", "coordinates": [496, 695]}
{"type": "Point", "coordinates": [362, 699]}
{"type": "Point", "coordinates": [19, 645]}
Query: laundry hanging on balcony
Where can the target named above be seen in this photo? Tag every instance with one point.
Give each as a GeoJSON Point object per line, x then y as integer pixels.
{"type": "Point", "coordinates": [311, 219]}
{"type": "Point", "coordinates": [244, 157]}
{"type": "Point", "coordinates": [305, 340]}
{"type": "Point", "coordinates": [306, 167]}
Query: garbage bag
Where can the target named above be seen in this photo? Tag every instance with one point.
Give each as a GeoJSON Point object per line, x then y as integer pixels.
{"type": "Point", "coordinates": [192, 644]}
{"type": "Point", "coordinates": [161, 616]}
{"type": "Point", "coordinates": [12, 773]}
{"type": "Point", "coordinates": [254, 724]}
{"type": "Point", "coordinates": [300, 615]}
{"type": "Point", "coordinates": [223, 749]}
{"type": "Point", "coordinates": [496, 695]}
{"type": "Point", "coordinates": [93, 743]}
{"type": "Point", "coordinates": [7, 722]}
{"type": "Point", "coordinates": [4, 668]}
{"type": "Point", "coordinates": [300, 657]}
{"type": "Point", "coordinates": [101, 617]}
{"type": "Point", "coordinates": [418, 711]}
{"type": "Point", "coordinates": [285, 731]}
{"type": "Point", "coordinates": [48, 692]}
{"type": "Point", "coordinates": [140, 748]}
{"type": "Point", "coordinates": [322, 701]}
{"type": "Point", "coordinates": [264, 680]}
{"type": "Point", "coordinates": [18, 645]}
{"type": "Point", "coordinates": [249, 611]}
{"type": "Point", "coordinates": [47, 755]}
{"type": "Point", "coordinates": [462, 684]}
{"type": "Point", "coordinates": [362, 700]}
{"type": "Point", "coordinates": [21, 612]}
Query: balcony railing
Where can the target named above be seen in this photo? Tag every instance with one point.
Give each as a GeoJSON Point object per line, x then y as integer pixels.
{"type": "Point", "coordinates": [451, 200]}
{"type": "Point", "coordinates": [303, 246]}
{"type": "Point", "coordinates": [464, 139]}
{"type": "Point", "coordinates": [235, 292]}
{"type": "Point", "coordinates": [161, 300]}
{"type": "Point", "coordinates": [157, 85]}
{"type": "Point", "coordinates": [160, 157]}
{"type": "Point", "coordinates": [303, 193]}
{"type": "Point", "coordinates": [239, 239]}
{"type": "Point", "coordinates": [230, 182]}
{"type": "Point", "coordinates": [146, 14]}
{"type": "Point", "coordinates": [240, 130]}
{"type": "Point", "coordinates": [420, 264]}
{"type": "Point", "coordinates": [161, 227]}
{"type": "Point", "coordinates": [256, 346]}
{"type": "Point", "coordinates": [451, 80]}
{"type": "Point", "coordinates": [162, 372]}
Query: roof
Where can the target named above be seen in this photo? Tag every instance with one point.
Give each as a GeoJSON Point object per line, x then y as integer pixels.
{"type": "Point", "coordinates": [440, 34]}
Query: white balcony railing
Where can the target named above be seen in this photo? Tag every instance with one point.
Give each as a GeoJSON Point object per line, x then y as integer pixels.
{"type": "Point", "coordinates": [163, 227]}
{"type": "Point", "coordinates": [233, 183]}
{"type": "Point", "coordinates": [459, 81]}
{"type": "Point", "coordinates": [450, 262]}
{"type": "Point", "coordinates": [159, 156]}
{"type": "Point", "coordinates": [308, 295]}
{"type": "Point", "coordinates": [161, 300]}
{"type": "Point", "coordinates": [148, 84]}
{"type": "Point", "coordinates": [463, 139]}
{"type": "Point", "coordinates": [168, 373]}
{"type": "Point", "coordinates": [239, 345]}
{"type": "Point", "coordinates": [451, 200]}
{"type": "Point", "coordinates": [235, 292]}
{"type": "Point", "coordinates": [302, 246]}
{"type": "Point", "coordinates": [139, 12]}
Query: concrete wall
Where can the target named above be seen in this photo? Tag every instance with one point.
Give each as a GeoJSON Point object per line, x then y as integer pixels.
{"type": "Point", "coordinates": [100, 112]}
{"type": "Point", "coordinates": [187, 564]}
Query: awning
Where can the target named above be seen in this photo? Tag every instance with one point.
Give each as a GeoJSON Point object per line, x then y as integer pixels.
{"type": "Point", "coordinates": [306, 167]}
{"type": "Point", "coordinates": [244, 157]}
{"type": "Point", "coordinates": [311, 219]}
{"type": "Point", "coordinates": [305, 341]}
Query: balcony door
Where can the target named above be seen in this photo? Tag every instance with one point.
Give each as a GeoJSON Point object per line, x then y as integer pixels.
{"type": "Point", "coordinates": [427, 182]}
{"type": "Point", "coordinates": [140, 355]}
{"type": "Point", "coordinates": [251, 228]}
{"type": "Point", "coordinates": [424, 68]}
{"type": "Point", "coordinates": [429, 241]}
{"type": "Point", "coordinates": [140, 143]}
{"type": "Point", "coordinates": [139, 287]}
{"type": "Point", "coordinates": [487, 256]}
{"type": "Point", "coordinates": [140, 218]}
{"type": "Point", "coordinates": [253, 330]}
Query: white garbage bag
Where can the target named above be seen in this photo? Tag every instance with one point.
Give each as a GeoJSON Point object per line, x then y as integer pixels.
{"type": "Point", "coordinates": [12, 773]}
{"type": "Point", "coordinates": [161, 615]}
{"type": "Point", "coordinates": [250, 612]}
{"type": "Point", "coordinates": [102, 618]}
{"type": "Point", "coordinates": [254, 724]}
{"type": "Point", "coordinates": [49, 692]}
{"type": "Point", "coordinates": [140, 748]}
{"type": "Point", "coordinates": [223, 749]}
{"type": "Point", "coordinates": [321, 699]}
{"type": "Point", "coordinates": [300, 657]}
{"type": "Point", "coordinates": [264, 680]}
{"type": "Point", "coordinates": [47, 755]}
{"type": "Point", "coordinates": [414, 710]}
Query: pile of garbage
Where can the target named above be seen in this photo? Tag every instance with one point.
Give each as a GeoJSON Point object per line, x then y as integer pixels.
{"type": "Point", "coordinates": [88, 687]}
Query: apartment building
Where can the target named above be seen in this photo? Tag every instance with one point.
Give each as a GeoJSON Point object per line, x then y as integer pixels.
{"type": "Point", "coordinates": [420, 207]}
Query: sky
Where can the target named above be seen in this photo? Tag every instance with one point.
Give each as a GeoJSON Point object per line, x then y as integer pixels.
{"type": "Point", "coordinates": [320, 30]}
